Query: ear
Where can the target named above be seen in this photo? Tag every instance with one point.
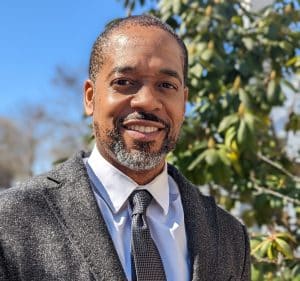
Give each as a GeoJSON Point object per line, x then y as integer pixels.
{"type": "Point", "coordinates": [89, 97]}
{"type": "Point", "coordinates": [186, 95]}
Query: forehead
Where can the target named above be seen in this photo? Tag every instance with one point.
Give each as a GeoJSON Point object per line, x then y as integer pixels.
{"type": "Point", "coordinates": [133, 32]}
{"type": "Point", "coordinates": [130, 43]}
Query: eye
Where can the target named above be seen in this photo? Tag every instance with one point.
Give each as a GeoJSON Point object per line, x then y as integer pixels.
{"type": "Point", "coordinates": [122, 82]}
{"type": "Point", "coordinates": [167, 85]}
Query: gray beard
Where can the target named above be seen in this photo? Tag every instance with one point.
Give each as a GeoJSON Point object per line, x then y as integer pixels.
{"type": "Point", "coordinates": [141, 158]}
{"type": "Point", "coordinates": [135, 160]}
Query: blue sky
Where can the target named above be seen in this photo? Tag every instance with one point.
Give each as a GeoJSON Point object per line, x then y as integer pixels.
{"type": "Point", "coordinates": [36, 36]}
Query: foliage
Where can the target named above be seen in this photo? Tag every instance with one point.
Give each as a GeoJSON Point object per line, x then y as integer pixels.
{"type": "Point", "coordinates": [14, 158]}
{"type": "Point", "coordinates": [240, 69]}
{"type": "Point", "coordinates": [46, 130]}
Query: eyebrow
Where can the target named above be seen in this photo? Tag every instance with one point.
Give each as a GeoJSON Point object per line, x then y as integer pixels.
{"type": "Point", "coordinates": [171, 73]}
{"type": "Point", "coordinates": [122, 69]}
{"type": "Point", "coordinates": [131, 69]}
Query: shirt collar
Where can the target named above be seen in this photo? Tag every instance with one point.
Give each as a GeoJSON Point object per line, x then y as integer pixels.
{"type": "Point", "coordinates": [119, 186]}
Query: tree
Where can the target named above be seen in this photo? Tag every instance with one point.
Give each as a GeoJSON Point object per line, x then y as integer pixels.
{"type": "Point", "coordinates": [240, 69]}
{"type": "Point", "coordinates": [14, 161]}
{"type": "Point", "coordinates": [73, 126]}
{"type": "Point", "coordinates": [42, 133]}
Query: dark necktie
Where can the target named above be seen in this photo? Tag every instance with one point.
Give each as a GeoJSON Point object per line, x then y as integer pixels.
{"type": "Point", "coordinates": [146, 261]}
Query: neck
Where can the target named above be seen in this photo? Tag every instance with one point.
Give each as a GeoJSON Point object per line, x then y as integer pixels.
{"type": "Point", "coordinates": [140, 177]}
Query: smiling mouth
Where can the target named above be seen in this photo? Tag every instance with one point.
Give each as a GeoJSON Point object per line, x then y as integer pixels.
{"type": "Point", "coordinates": [142, 129]}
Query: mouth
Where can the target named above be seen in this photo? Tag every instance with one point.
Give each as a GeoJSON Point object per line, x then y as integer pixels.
{"type": "Point", "coordinates": [143, 130]}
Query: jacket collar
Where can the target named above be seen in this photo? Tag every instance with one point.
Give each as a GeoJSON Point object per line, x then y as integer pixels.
{"type": "Point", "coordinates": [119, 186]}
{"type": "Point", "coordinates": [201, 227]}
{"type": "Point", "coordinates": [72, 202]}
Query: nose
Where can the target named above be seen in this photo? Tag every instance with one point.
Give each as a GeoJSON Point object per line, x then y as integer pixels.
{"type": "Point", "coordinates": [146, 99]}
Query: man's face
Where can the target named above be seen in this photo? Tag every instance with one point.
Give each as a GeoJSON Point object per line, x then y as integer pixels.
{"type": "Point", "coordinates": [138, 99]}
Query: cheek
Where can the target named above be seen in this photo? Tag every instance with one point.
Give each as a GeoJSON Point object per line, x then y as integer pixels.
{"type": "Point", "coordinates": [110, 108]}
{"type": "Point", "coordinates": [176, 123]}
{"type": "Point", "coordinates": [176, 111]}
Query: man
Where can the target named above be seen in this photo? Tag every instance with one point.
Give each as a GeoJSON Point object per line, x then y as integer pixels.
{"type": "Point", "coordinates": [86, 219]}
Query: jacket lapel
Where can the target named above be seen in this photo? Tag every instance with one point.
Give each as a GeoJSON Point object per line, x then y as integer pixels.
{"type": "Point", "coordinates": [201, 227]}
{"type": "Point", "coordinates": [72, 202]}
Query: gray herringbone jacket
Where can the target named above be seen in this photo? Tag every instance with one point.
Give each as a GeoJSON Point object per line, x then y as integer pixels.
{"type": "Point", "coordinates": [51, 229]}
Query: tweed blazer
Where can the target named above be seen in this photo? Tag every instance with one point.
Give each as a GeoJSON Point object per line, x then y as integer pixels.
{"type": "Point", "coordinates": [51, 229]}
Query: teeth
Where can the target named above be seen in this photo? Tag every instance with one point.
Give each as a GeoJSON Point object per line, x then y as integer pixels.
{"type": "Point", "coordinates": [143, 129]}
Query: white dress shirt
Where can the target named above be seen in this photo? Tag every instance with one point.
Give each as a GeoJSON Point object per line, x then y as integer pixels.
{"type": "Point", "coordinates": [165, 215]}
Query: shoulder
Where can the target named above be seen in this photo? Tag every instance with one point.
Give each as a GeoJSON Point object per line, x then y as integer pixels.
{"type": "Point", "coordinates": [21, 207]}
{"type": "Point", "coordinates": [206, 221]}
{"type": "Point", "coordinates": [192, 193]}
{"type": "Point", "coordinates": [228, 222]}
{"type": "Point", "coordinates": [23, 191]}
{"type": "Point", "coordinates": [28, 195]}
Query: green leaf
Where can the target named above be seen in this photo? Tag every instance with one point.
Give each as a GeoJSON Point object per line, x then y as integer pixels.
{"type": "Point", "coordinates": [273, 91]}
{"type": "Point", "coordinates": [264, 247]}
{"type": "Point", "coordinates": [176, 6]}
{"type": "Point", "coordinates": [244, 98]}
{"type": "Point", "coordinates": [229, 136]}
{"type": "Point", "coordinates": [207, 54]}
{"type": "Point", "coordinates": [284, 248]}
{"type": "Point", "coordinates": [212, 157]}
{"type": "Point", "coordinates": [237, 20]}
{"type": "Point", "coordinates": [257, 245]}
{"type": "Point", "coordinates": [223, 157]}
{"type": "Point", "coordinates": [200, 145]}
{"type": "Point", "coordinates": [198, 159]}
{"type": "Point", "coordinates": [293, 61]}
{"type": "Point", "coordinates": [242, 132]}
{"type": "Point", "coordinates": [201, 47]}
{"type": "Point", "coordinates": [250, 122]}
{"type": "Point", "coordinates": [286, 236]}
{"type": "Point", "coordinates": [228, 121]}
{"type": "Point", "coordinates": [196, 70]}
{"type": "Point", "coordinates": [270, 252]}
{"type": "Point", "coordinates": [249, 43]}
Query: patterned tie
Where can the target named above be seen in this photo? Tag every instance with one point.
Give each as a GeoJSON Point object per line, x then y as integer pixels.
{"type": "Point", "coordinates": [146, 261]}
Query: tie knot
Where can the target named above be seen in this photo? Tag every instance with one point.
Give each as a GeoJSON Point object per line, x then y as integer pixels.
{"type": "Point", "coordinates": [140, 200]}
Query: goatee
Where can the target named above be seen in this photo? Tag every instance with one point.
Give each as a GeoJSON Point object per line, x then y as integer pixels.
{"type": "Point", "coordinates": [140, 158]}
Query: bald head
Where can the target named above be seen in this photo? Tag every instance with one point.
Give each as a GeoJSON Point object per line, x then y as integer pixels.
{"type": "Point", "coordinates": [100, 47]}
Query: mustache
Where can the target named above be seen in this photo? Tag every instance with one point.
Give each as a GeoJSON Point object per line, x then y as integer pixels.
{"type": "Point", "coordinates": [144, 116]}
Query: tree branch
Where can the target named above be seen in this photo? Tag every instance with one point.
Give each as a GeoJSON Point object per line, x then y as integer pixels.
{"type": "Point", "coordinates": [266, 190]}
{"type": "Point", "coordinates": [278, 167]}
